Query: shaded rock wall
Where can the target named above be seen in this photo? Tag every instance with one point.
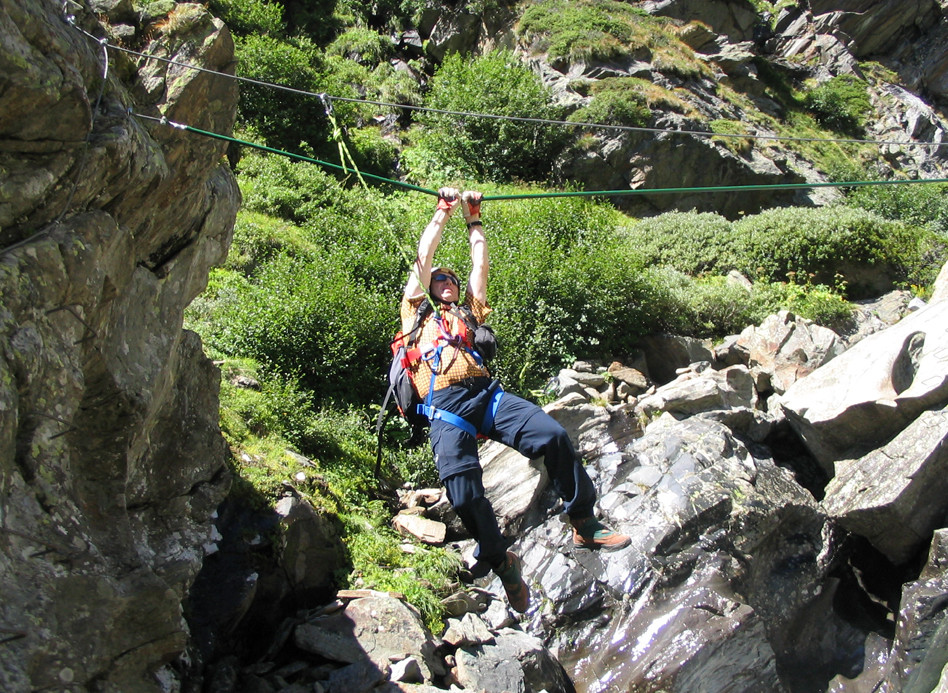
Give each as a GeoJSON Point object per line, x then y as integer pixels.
{"type": "Point", "coordinates": [111, 458]}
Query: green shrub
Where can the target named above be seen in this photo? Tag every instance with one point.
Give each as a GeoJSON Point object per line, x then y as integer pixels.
{"type": "Point", "coordinates": [840, 104]}
{"type": "Point", "coordinates": [487, 149]}
{"type": "Point", "coordinates": [714, 306]}
{"type": "Point", "coordinates": [869, 252]}
{"type": "Point", "coordinates": [691, 242]}
{"type": "Point", "coordinates": [582, 30]}
{"type": "Point", "coordinates": [616, 101]}
{"type": "Point", "coordinates": [363, 46]}
{"type": "Point", "coordinates": [293, 190]}
{"type": "Point", "coordinates": [605, 31]}
{"type": "Point", "coordinates": [917, 204]}
{"type": "Point", "coordinates": [282, 119]}
{"type": "Point", "coordinates": [308, 318]}
{"type": "Point", "coordinates": [245, 17]}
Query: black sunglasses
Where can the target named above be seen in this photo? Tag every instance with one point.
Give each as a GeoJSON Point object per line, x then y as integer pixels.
{"type": "Point", "coordinates": [442, 277]}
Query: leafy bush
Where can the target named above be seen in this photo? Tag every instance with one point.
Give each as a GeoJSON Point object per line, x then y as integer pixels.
{"type": "Point", "coordinates": [692, 242]}
{"type": "Point", "coordinates": [484, 148]}
{"type": "Point", "coordinates": [840, 104]}
{"type": "Point", "coordinates": [293, 190]}
{"type": "Point", "coordinates": [869, 252]}
{"type": "Point", "coordinates": [918, 204]}
{"type": "Point", "coordinates": [714, 306]}
{"type": "Point", "coordinates": [603, 31]}
{"type": "Point", "coordinates": [362, 45]}
{"type": "Point", "coordinates": [582, 30]}
{"type": "Point", "coordinates": [616, 101]}
{"type": "Point", "coordinates": [245, 17]}
{"type": "Point", "coordinates": [283, 120]}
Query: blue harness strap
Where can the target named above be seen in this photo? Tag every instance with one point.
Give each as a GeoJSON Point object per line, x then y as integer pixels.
{"type": "Point", "coordinates": [433, 413]}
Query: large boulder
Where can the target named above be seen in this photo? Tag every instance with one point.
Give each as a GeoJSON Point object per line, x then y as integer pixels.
{"type": "Point", "coordinates": [897, 495]}
{"type": "Point", "coordinates": [785, 348]}
{"type": "Point", "coordinates": [863, 398]}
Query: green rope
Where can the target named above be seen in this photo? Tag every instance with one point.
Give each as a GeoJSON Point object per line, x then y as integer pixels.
{"type": "Point", "coordinates": [719, 188]}
{"type": "Point", "coordinates": [582, 193]}
{"type": "Point", "coordinates": [300, 157]}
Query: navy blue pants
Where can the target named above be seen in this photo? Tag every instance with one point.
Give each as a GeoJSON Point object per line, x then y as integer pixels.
{"type": "Point", "coordinates": [519, 424]}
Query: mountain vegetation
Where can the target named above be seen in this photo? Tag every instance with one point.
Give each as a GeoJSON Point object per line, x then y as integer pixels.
{"type": "Point", "coordinates": [306, 303]}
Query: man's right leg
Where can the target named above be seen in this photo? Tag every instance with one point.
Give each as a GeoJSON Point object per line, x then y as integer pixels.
{"type": "Point", "coordinates": [466, 494]}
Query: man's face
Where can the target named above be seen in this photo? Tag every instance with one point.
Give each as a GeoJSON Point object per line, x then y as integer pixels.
{"type": "Point", "coordinates": [445, 286]}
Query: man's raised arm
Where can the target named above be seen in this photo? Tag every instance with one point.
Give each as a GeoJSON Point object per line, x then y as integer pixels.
{"type": "Point", "coordinates": [420, 276]}
{"type": "Point", "coordinates": [480, 263]}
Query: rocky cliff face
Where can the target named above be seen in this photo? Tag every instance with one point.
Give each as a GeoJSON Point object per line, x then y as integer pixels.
{"type": "Point", "coordinates": [112, 461]}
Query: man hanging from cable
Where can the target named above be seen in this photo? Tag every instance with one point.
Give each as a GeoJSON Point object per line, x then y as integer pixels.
{"type": "Point", "coordinates": [462, 401]}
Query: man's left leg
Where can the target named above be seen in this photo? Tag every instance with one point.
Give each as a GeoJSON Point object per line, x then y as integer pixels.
{"type": "Point", "coordinates": [533, 433]}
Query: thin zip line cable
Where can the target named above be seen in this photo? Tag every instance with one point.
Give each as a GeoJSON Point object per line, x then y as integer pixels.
{"type": "Point", "coordinates": [524, 119]}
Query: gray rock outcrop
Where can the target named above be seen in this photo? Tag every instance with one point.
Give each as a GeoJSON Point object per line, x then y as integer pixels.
{"type": "Point", "coordinates": [112, 459]}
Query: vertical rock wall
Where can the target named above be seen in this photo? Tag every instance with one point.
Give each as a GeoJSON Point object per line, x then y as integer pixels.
{"type": "Point", "coordinates": [111, 460]}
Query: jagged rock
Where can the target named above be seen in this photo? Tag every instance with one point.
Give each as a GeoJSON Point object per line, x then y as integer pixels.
{"type": "Point", "coordinates": [674, 491]}
{"type": "Point", "coordinates": [692, 393]}
{"type": "Point", "coordinates": [896, 495]}
{"type": "Point", "coordinates": [585, 378]}
{"type": "Point", "coordinates": [108, 225]}
{"type": "Point", "coordinates": [467, 631]}
{"type": "Point", "coordinates": [872, 27]}
{"type": "Point", "coordinates": [423, 529]}
{"type": "Point", "coordinates": [515, 661]}
{"type": "Point", "coordinates": [919, 654]}
{"type": "Point", "coordinates": [310, 548]}
{"type": "Point", "coordinates": [874, 315]}
{"type": "Point", "coordinates": [631, 377]}
{"type": "Point", "coordinates": [359, 677]}
{"type": "Point", "coordinates": [862, 398]}
{"type": "Point", "coordinates": [373, 628]}
{"type": "Point", "coordinates": [784, 348]}
{"type": "Point", "coordinates": [407, 670]}
{"type": "Point", "coordinates": [735, 18]}
{"type": "Point", "coordinates": [465, 601]}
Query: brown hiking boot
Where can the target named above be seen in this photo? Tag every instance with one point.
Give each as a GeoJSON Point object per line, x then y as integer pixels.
{"type": "Point", "coordinates": [509, 573]}
{"type": "Point", "coordinates": [590, 533]}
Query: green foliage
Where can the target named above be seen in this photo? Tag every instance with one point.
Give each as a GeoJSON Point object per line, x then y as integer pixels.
{"type": "Point", "coordinates": [821, 243]}
{"type": "Point", "coordinates": [602, 31]}
{"type": "Point", "coordinates": [728, 132]}
{"type": "Point", "coordinates": [564, 289]}
{"type": "Point", "coordinates": [583, 30]}
{"type": "Point", "coordinates": [362, 45]}
{"type": "Point", "coordinates": [692, 242]}
{"type": "Point", "coordinates": [317, 20]}
{"type": "Point", "coordinates": [293, 190]}
{"type": "Point", "coordinates": [424, 577]}
{"type": "Point", "coordinates": [840, 104]}
{"type": "Point", "coordinates": [310, 318]}
{"type": "Point", "coordinates": [714, 306]}
{"type": "Point", "coordinates": [918, 204]}
{"type": "Point", "coordinates": [283, 120]}
{"type": "Point", "coordinates": [616, 101]}
{"type": "Point", "coordinates": [244, 17]}
{"type": "Point", "coordinates": [487, 149]}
